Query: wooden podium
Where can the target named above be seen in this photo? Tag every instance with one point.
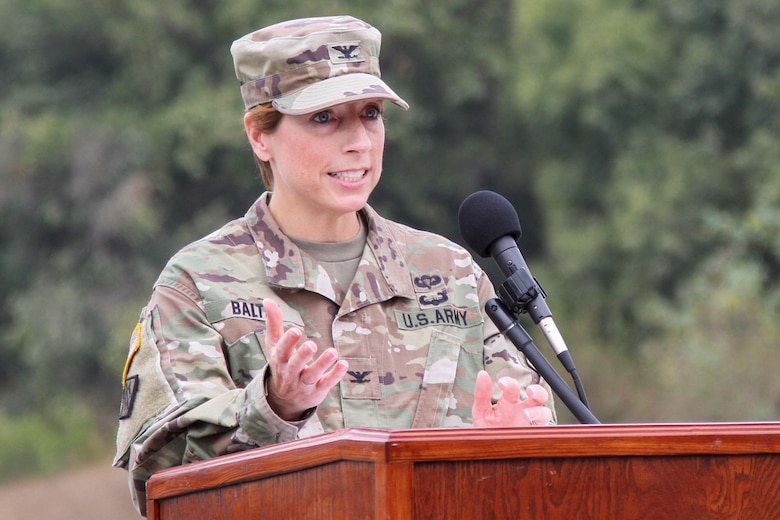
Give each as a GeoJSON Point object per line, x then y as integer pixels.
{"type": "Point", "coordinates": [598, 472]}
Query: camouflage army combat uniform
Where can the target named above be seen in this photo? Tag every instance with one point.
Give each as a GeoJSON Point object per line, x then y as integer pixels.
{"type": "Point", "coordinates": [409, 325]}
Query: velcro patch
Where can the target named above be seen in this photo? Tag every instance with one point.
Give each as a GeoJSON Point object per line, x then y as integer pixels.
{"type": "Point", "coordinates": [345, 52]}
{"type": "Point", "coordinates": [128, 397]}
{"type": "Point", "coordinates": [135, 344]}
{"type": "Point", "coordinates": [462, 317]}
{"type": "Point", "coordinates": [362, 379]}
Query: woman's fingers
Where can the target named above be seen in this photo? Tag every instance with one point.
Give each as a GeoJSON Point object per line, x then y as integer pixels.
{"type": "Point", "coordinates": [510, 389]}
{"type": "Point", "coordinates": [538, 415]}
{"type": "Point", "coordinates": [274, 326]}
{"type": "Point", "coordinates": [537, 395]}
{"type": "Point", "coordinates": [510, 409]}
{"type": "Point", "coordinates": [483, 391]}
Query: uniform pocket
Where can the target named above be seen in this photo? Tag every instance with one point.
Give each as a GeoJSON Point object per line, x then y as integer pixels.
{"type": "Point", "coordinates": [438, 380]}
{"type": "Point", "coordinates": [361, 380]}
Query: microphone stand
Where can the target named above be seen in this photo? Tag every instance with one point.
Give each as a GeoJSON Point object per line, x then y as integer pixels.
{"type": "Point", "coordinates": [507, 325]}
{"type": "Point", "coordinates": [522, 293]}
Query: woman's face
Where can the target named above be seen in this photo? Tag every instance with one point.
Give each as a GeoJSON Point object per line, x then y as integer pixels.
{"type": "Point", "coordinates": [325, 164]}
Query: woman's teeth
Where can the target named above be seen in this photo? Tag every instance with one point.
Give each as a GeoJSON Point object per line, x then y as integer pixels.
{"type": "Point", "coordinates": [349, 176]}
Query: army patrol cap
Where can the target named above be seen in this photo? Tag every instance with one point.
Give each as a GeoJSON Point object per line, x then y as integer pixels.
{"type": "Point", "coordinates": [310, 64]}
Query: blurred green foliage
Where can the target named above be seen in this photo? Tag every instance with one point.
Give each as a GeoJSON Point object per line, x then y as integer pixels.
{"type": "Point", "coordinates": [638, 141]}
{"type": "Point", "coordinates": [64, 436]}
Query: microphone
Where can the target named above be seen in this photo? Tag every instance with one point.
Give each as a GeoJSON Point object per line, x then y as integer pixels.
{"type": "Point", "coordinates": [490, 226]}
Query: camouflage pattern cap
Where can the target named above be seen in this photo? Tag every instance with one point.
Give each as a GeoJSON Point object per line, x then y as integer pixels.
{"type": "Point", "coordinates": [310, 64]}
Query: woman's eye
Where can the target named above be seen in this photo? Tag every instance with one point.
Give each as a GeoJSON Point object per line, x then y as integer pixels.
{"type": "Point", "coordinates": [373, 112]}
{"type": "Point", "coordinates": [321, 117]}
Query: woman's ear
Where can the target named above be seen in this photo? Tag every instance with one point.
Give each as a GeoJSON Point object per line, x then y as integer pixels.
{"type": "Point", "coordinates": [257, 140]}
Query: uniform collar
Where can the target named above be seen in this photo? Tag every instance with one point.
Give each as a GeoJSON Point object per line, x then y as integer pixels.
{"type": "Point", "coordinates": [383, 265]}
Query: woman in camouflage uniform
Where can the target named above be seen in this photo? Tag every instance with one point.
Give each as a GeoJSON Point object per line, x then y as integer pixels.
{"type": "Point", "coordinates": [312, 312]}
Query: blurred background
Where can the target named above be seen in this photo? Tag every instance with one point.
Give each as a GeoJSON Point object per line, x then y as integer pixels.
{"type": "Point", "coordinates": [639, 141]}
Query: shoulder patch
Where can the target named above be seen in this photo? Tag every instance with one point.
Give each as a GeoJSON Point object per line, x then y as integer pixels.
{"type": "Point", "coordinates": [135, 344]}
{"type": "Point", "coordinates": [129, 391]}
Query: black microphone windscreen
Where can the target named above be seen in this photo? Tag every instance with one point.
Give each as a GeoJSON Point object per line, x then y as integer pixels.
{"type": "Point", "coordinates": [484, 217]}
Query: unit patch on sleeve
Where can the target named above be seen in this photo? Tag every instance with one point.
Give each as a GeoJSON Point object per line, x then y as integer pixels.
{"type": "Point", "coordinates": [129, 392]}
{"type": "Point", "coordinates": [135, 344]}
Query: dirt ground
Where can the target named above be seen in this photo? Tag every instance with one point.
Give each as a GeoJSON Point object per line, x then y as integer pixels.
{"type": "Point", "coordinates": [97, 492]}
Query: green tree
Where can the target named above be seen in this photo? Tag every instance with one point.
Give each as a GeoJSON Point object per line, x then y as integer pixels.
{"type": "Point", "coordinates": [655, 127]}
{"type": "Point", "coordinates": [636, 139]}
{"type": "Point", "coordinates": [121, 140]}
{"type": "Point", "coordinates": [640, 113]}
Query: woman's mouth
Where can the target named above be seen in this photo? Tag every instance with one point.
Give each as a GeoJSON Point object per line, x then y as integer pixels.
{"type": "Point", "coordinates": [349, 175]}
